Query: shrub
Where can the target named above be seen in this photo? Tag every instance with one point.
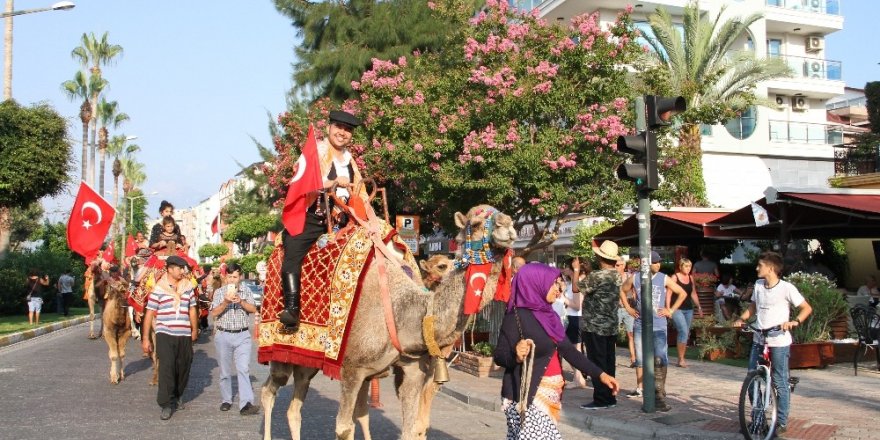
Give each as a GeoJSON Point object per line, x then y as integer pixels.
{"type": "Point", "coordinates": [827, 303]}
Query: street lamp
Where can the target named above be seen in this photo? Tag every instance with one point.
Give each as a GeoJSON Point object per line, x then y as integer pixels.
{"type": "Point", "coordinates": [131, 204]}
{"type": "Point", "coordinates": [7, 38]}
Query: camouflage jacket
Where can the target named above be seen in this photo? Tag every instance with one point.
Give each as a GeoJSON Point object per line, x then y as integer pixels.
{"type": "Point", "coordinates": [601, 292]}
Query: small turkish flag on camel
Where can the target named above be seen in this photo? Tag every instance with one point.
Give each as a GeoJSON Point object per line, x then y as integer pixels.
{"type": "Point", "coordinates": [89, 222]}
{"type": "Point", "coordinates": [306, 180]}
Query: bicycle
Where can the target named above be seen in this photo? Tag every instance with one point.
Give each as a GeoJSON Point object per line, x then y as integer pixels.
{"type": "Point", "coordinates": [757, 404]}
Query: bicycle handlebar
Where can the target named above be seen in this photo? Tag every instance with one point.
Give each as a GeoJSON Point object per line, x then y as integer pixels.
{"type": "Point", "coordinates": [748, 327]}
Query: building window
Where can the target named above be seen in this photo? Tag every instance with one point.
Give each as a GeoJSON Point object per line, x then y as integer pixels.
{"type": "Point", "coordinates": [774, 48]}
{"type": "Point", "coordinates": [743, 126]}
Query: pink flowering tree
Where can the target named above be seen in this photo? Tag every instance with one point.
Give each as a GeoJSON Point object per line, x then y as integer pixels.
{"type": "Point", "coordinates": [515, 112]}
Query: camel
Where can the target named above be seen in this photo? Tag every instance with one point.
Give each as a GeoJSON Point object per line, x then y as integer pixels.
{"type": "Point", "coordinates": [369, 356]}
{"type": "Point", "coordinates": [117, 328]}
{"type": "Point", "coordinates": [94, 294]}
{"type": "Point", "coordinates": [434, 269]}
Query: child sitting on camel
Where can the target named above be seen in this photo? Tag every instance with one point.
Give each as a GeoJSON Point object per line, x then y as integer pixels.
{"type": "Point", "coordinates": [167, 237]}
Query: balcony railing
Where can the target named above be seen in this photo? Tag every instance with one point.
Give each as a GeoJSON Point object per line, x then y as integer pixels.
{"type": "Point", "coordinates": [830, 7]}
{"type": "Point", "coordinates": [816, 68]}
{"type": "Point", "coordinates": [805, 133]}
{"type": "Point", "coordinates": [851, 162]}
{"type": "Point", "coordinates": [856, 102]}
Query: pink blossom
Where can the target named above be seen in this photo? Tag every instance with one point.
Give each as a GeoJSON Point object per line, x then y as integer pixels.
{"type": "Point", "coordinates": [437, 155]}
{"type": "Point", "coordinates": [397, 100]}
{"type": "Point", "coordinates": [399, 120]}
{"type": "Point", "coordinates": [534, 201]}
{"type": "Point", "coordinates": [435, 166]}
{"type": "Point", "coordinates": [478, 159]}
{"type": "Point", "coordinates": [543, 87]}
{"type": "Point", "coordinates": [418, 147]}
{"type": "Point", "coordinates": [432, 6]}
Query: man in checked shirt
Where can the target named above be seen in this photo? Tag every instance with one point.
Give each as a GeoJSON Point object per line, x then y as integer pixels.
{"type": "Point", "coordinates": [231, 308]}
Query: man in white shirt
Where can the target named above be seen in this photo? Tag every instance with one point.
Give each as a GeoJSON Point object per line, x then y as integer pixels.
{"type": "Point", "coordinates": [771, 303]}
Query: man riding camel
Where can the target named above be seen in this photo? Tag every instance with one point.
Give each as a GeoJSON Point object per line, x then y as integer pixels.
{"type": "Point", "coordinates": [337, 168]}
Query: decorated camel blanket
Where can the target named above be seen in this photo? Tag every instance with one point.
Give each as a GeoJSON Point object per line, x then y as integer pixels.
{"type": "Point", "coordinates": [154, 270]}
{"type": "Point", "coordinates": [330, 287]}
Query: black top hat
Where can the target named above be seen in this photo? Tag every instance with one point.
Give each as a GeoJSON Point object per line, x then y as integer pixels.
{"type": "Point", "coordinates": [174, 260]}
{"type": "Point", "coordinates": [344, 118]}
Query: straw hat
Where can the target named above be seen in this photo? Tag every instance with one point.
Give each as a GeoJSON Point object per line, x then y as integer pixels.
{"type": "Point", "coordinates": [607, 250]}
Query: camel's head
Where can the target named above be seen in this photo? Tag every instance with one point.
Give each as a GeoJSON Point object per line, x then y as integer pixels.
{"type": "Point", "coordinates": [485, 221]}
{"type": "Point", "coordinates": [434, 268]}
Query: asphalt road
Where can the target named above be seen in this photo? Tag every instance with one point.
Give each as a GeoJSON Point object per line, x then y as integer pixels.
{"type": "Point", "coordinates": [57, 386]}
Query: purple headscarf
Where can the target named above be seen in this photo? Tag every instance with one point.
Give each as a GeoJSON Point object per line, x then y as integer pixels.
{"type": "Point", "coordinates": [529, 291]}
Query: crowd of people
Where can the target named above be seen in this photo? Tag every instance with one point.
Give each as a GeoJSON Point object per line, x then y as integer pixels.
{"type": "Point", "coordinates": [555, 315]}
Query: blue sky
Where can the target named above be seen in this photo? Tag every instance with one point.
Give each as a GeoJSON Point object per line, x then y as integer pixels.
{"type": "Point", "coordinates": [197, 78]}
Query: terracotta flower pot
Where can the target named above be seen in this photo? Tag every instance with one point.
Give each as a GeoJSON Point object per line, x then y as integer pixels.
{"type": "Point", "coordinates": [811, 355]}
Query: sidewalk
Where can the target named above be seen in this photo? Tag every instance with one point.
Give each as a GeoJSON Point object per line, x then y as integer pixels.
{"type": "Point", "coordinates": [827, 404]}
{"type": "Point", "coordinates": [42, 330]}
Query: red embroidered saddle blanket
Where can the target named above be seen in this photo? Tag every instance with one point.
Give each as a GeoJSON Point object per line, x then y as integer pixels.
{"type": "Point", "coordinates": [330, 286]}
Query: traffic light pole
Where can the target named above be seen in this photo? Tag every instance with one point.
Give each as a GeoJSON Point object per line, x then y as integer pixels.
{"type": "Point", "coordinates": [647, 310]}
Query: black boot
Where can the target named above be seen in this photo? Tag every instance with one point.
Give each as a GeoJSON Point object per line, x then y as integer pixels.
{"type": "Point", "coordinates": [290, 287]}
{"type": "Point", "coordinates": [660, 387]}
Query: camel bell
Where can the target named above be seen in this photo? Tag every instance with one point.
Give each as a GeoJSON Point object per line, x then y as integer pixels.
{"type": "Point", "coordinates": [441, 374]}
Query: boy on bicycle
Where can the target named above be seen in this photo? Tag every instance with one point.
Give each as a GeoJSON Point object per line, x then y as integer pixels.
{"type": "Point", "coordinates": [771, 304]}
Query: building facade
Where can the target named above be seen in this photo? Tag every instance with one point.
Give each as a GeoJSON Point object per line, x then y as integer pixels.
{"type": "Point", "coordinates": [786, 144]}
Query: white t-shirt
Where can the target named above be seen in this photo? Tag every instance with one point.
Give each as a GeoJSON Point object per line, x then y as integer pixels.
{"type": "Point", "coordinates": [727, 292]}
{"type": "Point", "coordinates": [342, 171]}
{"type": "Point", "coordinates": [866, 291]}
{"type": "Point", "coordinates": [570, 296]}
{"type": "Point", "coordinates": [774, 308]}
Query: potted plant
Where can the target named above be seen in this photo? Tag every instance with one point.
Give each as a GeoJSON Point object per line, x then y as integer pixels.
{"type": "Point", "coordinates": [713, 342]}
{"type": "Point", "coordinates": [812, 346]}
{"type": "Point", "coordinates": [478, 361]}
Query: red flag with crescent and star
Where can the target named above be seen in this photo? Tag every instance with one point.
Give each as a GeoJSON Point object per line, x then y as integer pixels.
{"type": "Point", "coordinates": [502, 293]}
{"type": "Point", "coordinates": [110, 253]}
{"type": "Point", "coordinates": [306, 179]}
{"type": "Point", "coordinates": [476, 276]}
{"type": "Point", "coordinates": [131, 246]}
{"type": "Point", "coordinates": [89, 222]}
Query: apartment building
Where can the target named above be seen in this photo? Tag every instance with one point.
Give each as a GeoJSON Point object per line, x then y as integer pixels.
{"type": "Point", "coordinates": [789, 144]}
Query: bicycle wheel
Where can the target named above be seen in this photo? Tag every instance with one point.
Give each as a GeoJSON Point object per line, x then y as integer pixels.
{"type": "Point", "coordinates": [757, 418]}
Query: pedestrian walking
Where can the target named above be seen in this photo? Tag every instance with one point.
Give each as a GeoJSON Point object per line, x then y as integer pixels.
{"type": "Point", "coordinates": [231, 308]}
{"type": "Point", "coordinates": [35, 288]}
{"type": "Point", "coordinates": [771, 306]}
{"type": "Point", "coordinates": [530, 345]}
{"type": "Point", "coordinates": [172, 308]}
{"type": "Point", "coordinates": [573, 299]}
{"type": "Point", "coordinates": [660, 283]}
{"type": "Point", "coordinates": [601, 293]}
{"type": "Point", "coordinates": [684, 316]}
{"type": "Point", "coordinates": [65, 289]}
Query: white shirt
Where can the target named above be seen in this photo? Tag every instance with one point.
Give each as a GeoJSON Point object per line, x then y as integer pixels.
{"type": "Point", "coordinates": [570, 296]}
{"type": "Point", "coordinates": [773, 307]}
{"type": "Point", "coordinates": [727, 292]}
{"type": "Point", "coordinates": [865, 291]}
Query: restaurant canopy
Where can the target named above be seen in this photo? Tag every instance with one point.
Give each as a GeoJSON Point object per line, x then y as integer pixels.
{"type": "Point", "coordinates": [676, 226]}
{"type": "Point", "coordinates": [800, 213]}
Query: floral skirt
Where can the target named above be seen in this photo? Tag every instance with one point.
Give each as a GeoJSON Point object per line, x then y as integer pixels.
{"type": "Point", "coordinates": [541, 415]}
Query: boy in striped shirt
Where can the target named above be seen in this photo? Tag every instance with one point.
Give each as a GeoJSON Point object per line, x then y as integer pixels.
{"type": "Point", "coordinates": [171, 306]}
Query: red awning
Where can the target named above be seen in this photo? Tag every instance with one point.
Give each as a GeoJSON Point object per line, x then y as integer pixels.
{"type": "Point", "coordinates": [673, 227]}
{"type": "Point", "coordinates": [793, 214]}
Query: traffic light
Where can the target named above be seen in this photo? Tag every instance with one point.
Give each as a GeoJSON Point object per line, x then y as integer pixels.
{"type": "Point", "coordinates": [643, 169]}
{"type": "Point", "coordinates": [659, 110]}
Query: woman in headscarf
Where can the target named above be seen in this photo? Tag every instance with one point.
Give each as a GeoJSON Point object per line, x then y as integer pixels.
{"type": "Point", "coordinates": [532, 324]}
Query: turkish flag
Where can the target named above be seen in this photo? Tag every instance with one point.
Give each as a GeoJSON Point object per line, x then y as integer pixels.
{"type": "Point", "coordinates": [131, 247]}
{"type": "Point", "coordinates": [215, 225]}
{"type": "Point", "coordinates": [306, 180]}
{"type": "Point", "coordinates": [502, 292]}
{"type": "Point", "coordinates": [110, 253]}
{"type": "Point", "coordinates": [476, 275]}
{"type": "Point", "coordinates": [89, 222]}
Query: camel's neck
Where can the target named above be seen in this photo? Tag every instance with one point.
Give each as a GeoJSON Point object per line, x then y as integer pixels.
{"type": "Point", "coordinates": [449, 304]}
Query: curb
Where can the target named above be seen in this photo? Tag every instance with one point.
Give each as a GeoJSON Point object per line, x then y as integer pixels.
{"type": "Point", "coordinates": [595, 424]}
{"type": "Point", "coordinates": [15, 338]}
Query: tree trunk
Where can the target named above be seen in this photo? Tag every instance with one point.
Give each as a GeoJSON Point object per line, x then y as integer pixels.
{"type": "Point", "coordinates": [102, 159]}
{"type": "Point", "coordinates": [116, 218]}
{"type": "Point", "coordinates": [85, 152]}
{"type": "Point", "coordinates": [689, 141]}
{"type": "Point", "coordinates": [7, 53]}
{"type": "Point", "coordinates": [94, 145]}
{"type": "Point", "coordinates": [4, 231]}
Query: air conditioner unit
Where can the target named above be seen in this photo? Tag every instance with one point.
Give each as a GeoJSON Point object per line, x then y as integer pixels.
{"type": "Point", "coordinates": [815, 43]}
{"type": "Point", "coordinates": [800, 103]}
{"type": "Point", "coordinates": [781, 101]}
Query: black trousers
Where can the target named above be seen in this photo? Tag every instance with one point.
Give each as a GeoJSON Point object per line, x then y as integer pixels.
{"type": "Point", "coordinates": [297, 246]}
{"type": "Point", "coordinates": [601, 350]}
{"type": "Point", "coordinates": [66, 301]}
{"type": "Point", "coordinates": [175, 355]}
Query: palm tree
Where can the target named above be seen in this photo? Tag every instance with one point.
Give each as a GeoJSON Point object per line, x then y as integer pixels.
{"type": "Point", "coordinates": [108, 115]}
{"type": "Point", "coordinates": [133, 176]}
{"type": "Point", "coordinates": [81, 87]}
{"type": "Point", "coordinates": [116, 148]}
{"type": "Point", "coordinates": [717, 83]}
{"type": "Point", "coordinates": [92, 53]}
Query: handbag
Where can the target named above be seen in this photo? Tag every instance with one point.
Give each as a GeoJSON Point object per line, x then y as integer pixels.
{"type": "Point", "coordinates": [30, 294]}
